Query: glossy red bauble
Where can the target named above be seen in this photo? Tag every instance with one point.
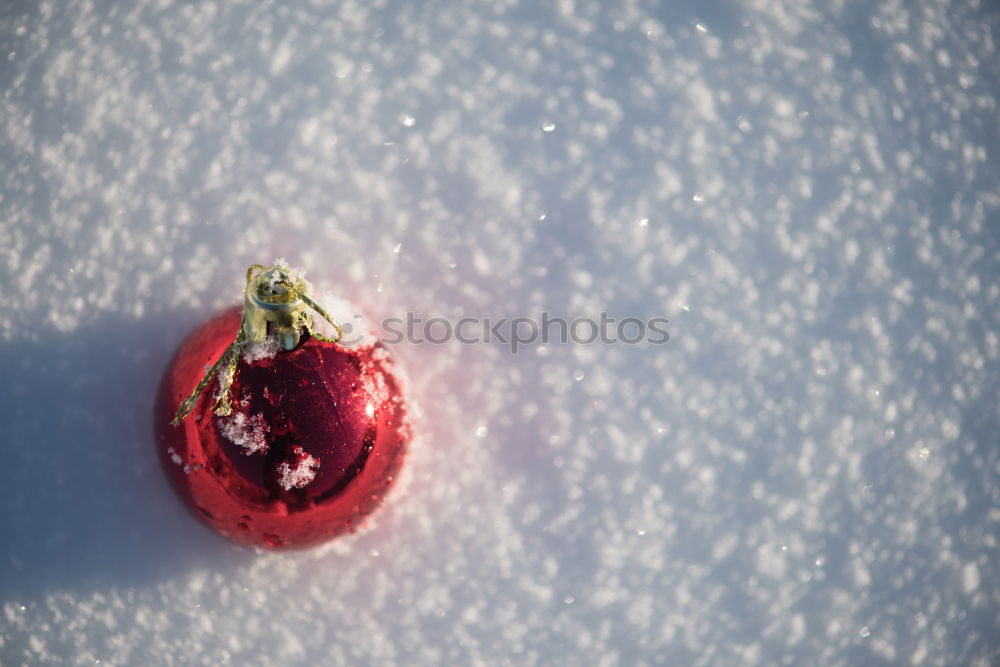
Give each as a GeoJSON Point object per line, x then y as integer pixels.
{"type": "Point", "coordinates": [316, 436]}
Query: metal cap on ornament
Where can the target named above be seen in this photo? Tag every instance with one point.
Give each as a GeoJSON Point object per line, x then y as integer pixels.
{"type": "Point", "coordinates": [274, 296]}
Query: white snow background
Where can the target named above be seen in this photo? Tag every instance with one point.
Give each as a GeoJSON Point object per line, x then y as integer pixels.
{"type": "Point", "coordinates": [807, 473]}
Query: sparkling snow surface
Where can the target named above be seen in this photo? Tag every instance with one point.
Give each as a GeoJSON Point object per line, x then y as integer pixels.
{"type": "Point", "coordinates": [807, 473]}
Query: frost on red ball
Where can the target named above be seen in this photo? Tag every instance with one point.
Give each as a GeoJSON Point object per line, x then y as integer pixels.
{"type": "Point", "coordinates": [315, 438]}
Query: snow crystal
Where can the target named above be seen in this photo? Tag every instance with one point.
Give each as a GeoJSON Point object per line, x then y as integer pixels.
{"type": "Point", "coordinates": [250, 433]}
{"type": "Point", "coordinates": [174, 456]}
{"type": "Point", "coordinates": [273, 281]}
{"type": "Point", "coordinates": [266, 349]}
{"type": "Point", "coordinates": [970, 578]}
{"type": "Point", "coordinates": [297, 475]}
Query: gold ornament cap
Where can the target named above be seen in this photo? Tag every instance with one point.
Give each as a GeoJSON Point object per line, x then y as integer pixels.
{"type": "Point", "coordinates": [274, 295]}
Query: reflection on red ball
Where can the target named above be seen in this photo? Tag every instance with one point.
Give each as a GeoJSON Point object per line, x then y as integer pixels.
{"type": "Point", "coordinates": [315, 439]}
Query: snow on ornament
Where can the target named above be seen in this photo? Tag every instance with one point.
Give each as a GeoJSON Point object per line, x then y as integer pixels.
{"type": "Point", "coordinates": [301, 437]}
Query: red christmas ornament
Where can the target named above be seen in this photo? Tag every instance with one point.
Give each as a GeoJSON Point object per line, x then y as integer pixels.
{"type": "Point", "coordinates": [298, 440]}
